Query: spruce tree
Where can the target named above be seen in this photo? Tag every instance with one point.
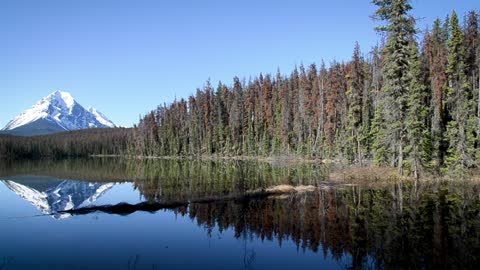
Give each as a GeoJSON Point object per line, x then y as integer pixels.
{"type": "Point", "coordinates": [461, 124]}
{"type": "Point", "coordinates": [399, 28]}
{"type": "Point", "coordinates": [472, 58]}
{"type": "Point", "coordinates": [356, 76]}
{"type": "Point", "coordinates": [436, 54]}
{"type": "Point", "coordinates": [418, 134]}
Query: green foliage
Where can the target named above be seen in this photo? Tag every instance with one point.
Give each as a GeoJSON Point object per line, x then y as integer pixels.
{"type": "Point", "coordinates": [419, 143]}
{"type": "Point", "coordinates": [399, 29]}
{"type": "Point", "coordinates": [378, 132]}
{"type": "Point", "coordinates": [461, 107]}
{"type": "Point", "coordinates": [355, 120]}
{"type": "Point", "coordinates": [80, 143]}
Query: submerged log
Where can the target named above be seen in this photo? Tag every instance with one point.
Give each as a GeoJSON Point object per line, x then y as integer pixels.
{"type": "Point", "coordinates": [127, 209]}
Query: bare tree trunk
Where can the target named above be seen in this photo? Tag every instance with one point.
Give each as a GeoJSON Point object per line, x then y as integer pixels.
{"type": "Point", "coordinates": [359, 150]}
{"type": "Point", "coordinates": [415, 163]}
{"type": "Point", "coordinates": [400, 196]}
{"type": "Point", "coordinates": [359, 195]}
{"type": "Point", "coordinates": [320, 116]}
{"type": "Point", "coordinates": [400, 158]}
{"type": "Point", "coordinates": [394, 156]}
{"type": "Point", "coordinates": [478, 113]}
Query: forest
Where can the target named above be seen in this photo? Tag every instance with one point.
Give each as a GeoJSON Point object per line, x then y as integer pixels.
{"type": "Point", "coordinates": [79, 143]}
{"type": "Point", "coordinates": [411, 102]}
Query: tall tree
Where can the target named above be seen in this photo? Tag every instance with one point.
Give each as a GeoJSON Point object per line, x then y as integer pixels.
{"type": "Point", "coordinates": [320, 112]}
{"type": "Point", "coordinates": [399, 27]}
{"type": "Point", "coordinates": [236, 117]}
{"type": "Point", "coordinates": [436, 54]}
{"type": "Point", "coordinates": [418, 133]}
{"type": "Point", "coordinates": [355, 113]}
{"type": "Point", "coordinates": [472, 59]}
{"type": "Point", "coordinates": [460, 126]}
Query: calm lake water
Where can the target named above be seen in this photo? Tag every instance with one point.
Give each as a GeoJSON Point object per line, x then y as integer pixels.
{"type": "Point", "coordinates": [167, 214]}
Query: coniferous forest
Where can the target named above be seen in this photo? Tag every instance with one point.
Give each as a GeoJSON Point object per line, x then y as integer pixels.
{"type": "Point", "coordinates": [411, 102]}
{"type": "Point", "coordinates": [79, 143]}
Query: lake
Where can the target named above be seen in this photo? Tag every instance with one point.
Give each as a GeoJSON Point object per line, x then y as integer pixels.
{"type": "Point", "coordinates": [107, 213]}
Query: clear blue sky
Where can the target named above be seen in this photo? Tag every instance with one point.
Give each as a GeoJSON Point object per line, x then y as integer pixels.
{"type": "Point", "coordinates": [127, 57]}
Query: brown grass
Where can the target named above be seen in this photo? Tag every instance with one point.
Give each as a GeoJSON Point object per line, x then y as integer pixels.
{"type": "Point", "coordinates": [282, 189]}
{"type": "Point", "coordinates": [364, 175]}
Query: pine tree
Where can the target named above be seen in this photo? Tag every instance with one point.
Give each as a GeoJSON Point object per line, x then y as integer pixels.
{"type": "Point", "coordinates": [355, 96]}
{"type": "Point", "coordinates": [236, 117]}
{"type": "Point", "coordinates": [320, 113]}
{"type": "Point", "coordinates": [419, 140]}
{"type": "Point", "coordinates": [436, 54]}
{"type": "Point", "coordinates": [472, 58]}
{"type": "Point", "coordinates": [461, 124]}
{"type": "Point", "coordinates": [396, 81]}
{"type": "Point", "coordinates": [367, 112]}
{"type": "Point", "coordinates": [379, 135]}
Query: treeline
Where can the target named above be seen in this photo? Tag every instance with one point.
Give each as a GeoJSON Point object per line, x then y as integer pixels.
{"type": "Point", "coordinates": [80, 143]}
{"type": "Point", "coordinates": [99, 169]}
{"type": "Point", "coordinates": [409, 104]}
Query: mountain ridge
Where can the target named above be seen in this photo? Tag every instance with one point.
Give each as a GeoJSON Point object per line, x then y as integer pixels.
{"type": "Point", "coordinates": [57, 112]}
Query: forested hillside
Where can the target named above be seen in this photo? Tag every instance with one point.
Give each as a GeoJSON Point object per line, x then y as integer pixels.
{"type": "Point", "coordinates": [79, 143]}
{"type": "Point", "coordinates": [411, 102]}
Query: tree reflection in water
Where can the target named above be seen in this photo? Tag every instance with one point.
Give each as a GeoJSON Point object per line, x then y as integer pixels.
{"type": "Point", "coordinates": [5, 263]}
{"type": "Point", "coordinates": [402, 225]}
{"type": "Point", "coordinates": [437, 226]}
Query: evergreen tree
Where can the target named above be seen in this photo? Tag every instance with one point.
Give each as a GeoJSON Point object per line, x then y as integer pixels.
{"type": "Point", "coordinates": [399, 28]}
{"type": "Point", "coordinates": [472, 59]}
{"type": "Point", "coordinates": [436, 54]}
{"type": "Point", "coordinates": [367, 113]}
{"type": "Point", "coordinates": [419, 139]}
{"type": "Point", "coordinates": [354, 149]}
{"type": "Point", "coordinates": [461, 124]}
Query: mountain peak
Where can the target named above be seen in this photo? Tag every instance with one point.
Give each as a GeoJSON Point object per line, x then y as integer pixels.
{"type": "Point", "coordinates": [66, 97]}
{"type": "Point", "coordinates": [59, 99]}
{"type": "Point", "coordinates": [56, 112]}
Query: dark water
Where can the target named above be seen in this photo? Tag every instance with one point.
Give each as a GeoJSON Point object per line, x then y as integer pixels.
{"type": "Point", "coordinates": [114, 214]}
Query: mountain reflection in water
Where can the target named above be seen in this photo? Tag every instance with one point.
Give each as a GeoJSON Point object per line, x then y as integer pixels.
{"type": "Point", "coordinates": [403, 225]}
{"type": "Point", "coordinates": [57, 195]}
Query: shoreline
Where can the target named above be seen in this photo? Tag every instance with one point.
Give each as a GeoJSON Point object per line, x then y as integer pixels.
{"type": "Point", "coordinates": [287, 159]}
{"type": "Point", "coordinates": [341, 172]}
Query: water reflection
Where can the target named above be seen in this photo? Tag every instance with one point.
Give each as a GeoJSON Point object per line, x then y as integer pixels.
{"type": "Point", "coordinates": [438, 227]}
{"type": "Point", "coordinates": [424, 225]}
{"type": "Point", "coordinates": [53, 196]}
{"type": "Point", "coordinates": [165, 180]}
{"type": "Point", "coordinates": [5, 262]}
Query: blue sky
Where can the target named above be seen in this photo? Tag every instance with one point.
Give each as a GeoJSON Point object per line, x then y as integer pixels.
{"type": "Point", "coordinates": [127, 57]}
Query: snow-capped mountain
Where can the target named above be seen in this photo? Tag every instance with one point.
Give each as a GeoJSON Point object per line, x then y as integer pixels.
{"type": "Point", "coordinates": [56, 112]}
{"type": "Point", "coordinates": [101, 118]}
{"type": "Point", "coordinates": [64, 196]}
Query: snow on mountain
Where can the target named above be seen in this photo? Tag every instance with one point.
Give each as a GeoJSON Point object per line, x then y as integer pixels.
{"type": "Point", "coordinates": [35, 197]}
{"type": "Point", "coordinates": [65, 196]}
{"type": "Point", "coordinates": [101, 117]}
{"type": "Point", "coordinates": [56, 112]}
